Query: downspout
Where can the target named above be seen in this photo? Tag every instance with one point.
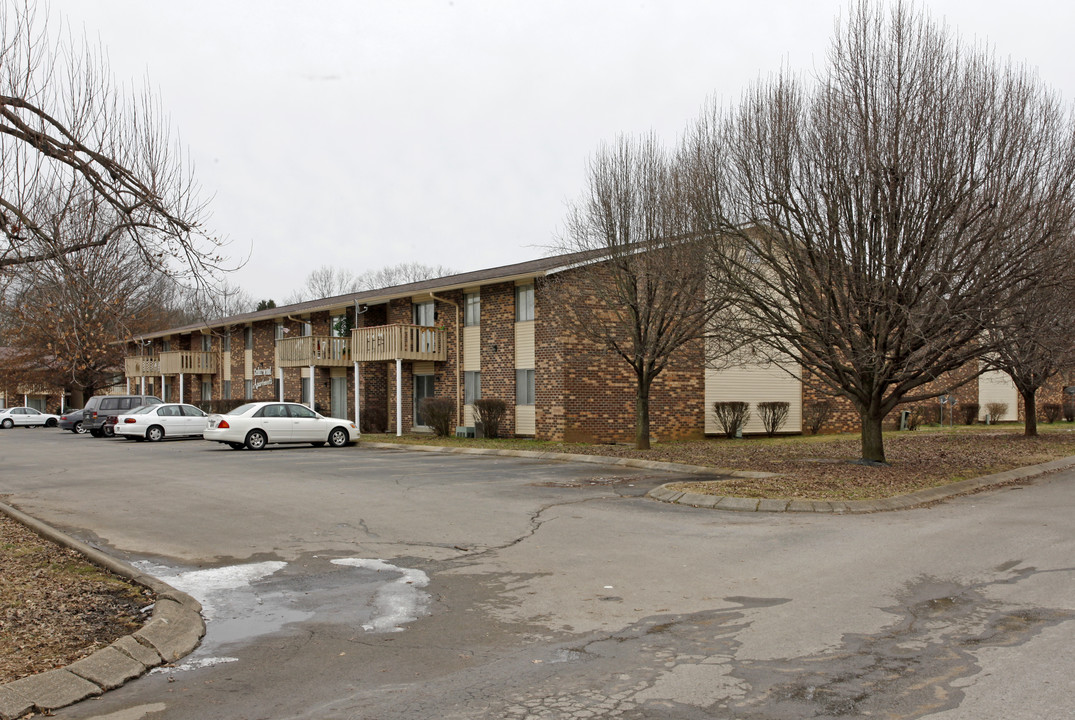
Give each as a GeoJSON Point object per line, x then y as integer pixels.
{"type": "Point", "coordinates": [458, 364]}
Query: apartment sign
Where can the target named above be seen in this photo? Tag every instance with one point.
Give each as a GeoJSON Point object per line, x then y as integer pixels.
{"type": "Point", "coordinates": [265, 373]}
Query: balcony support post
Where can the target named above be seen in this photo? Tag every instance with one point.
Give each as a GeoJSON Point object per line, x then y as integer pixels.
{"type": "Point", "coordinates": [358, 422]}
{"type": "Point", "coordinates": [312, 388]}
{"type": "Point", "coordinates": [180, 387]}
{"type": "Point", "coordinates": [399, 397]}
{"type": "Point", "coordinates": [280, 372]}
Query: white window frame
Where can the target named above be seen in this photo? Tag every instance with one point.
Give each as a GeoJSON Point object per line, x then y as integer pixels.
{"type": "Point", "coordinates": [525, 390]}
{"type": "Point", "coordinates": [472, 386]}
{"type": "Point", "coordinates": [524, 302]}
{"type": "Point", "coordinates": [472, 309]}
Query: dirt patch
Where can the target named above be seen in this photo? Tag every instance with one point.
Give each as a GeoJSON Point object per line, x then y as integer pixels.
{"type": "Point", "coordinates": [55, 607]}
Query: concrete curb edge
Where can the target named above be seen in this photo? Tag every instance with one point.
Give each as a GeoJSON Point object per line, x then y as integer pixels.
{"type": "Point", "coordinates": [173, 631]}
{"type": "Point", "coordinates": [664, 493]}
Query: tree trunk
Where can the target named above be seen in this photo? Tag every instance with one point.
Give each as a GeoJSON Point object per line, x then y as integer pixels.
{"type": "Point", "coordinates": [1030, 408]}
{"type": "Point", "coordinates": [642, 414]}
{"type": "Point", "coordinates": [873, 447]}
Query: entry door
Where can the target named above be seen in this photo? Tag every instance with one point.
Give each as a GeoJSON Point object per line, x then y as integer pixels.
{"type": "Point", "coordinates": [338, 392]}
{"type": "Point", "coordinates": [423, 388]}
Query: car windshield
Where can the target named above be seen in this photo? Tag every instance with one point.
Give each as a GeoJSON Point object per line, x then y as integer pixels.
{"type": "Point", "coordinates": [242, 409]}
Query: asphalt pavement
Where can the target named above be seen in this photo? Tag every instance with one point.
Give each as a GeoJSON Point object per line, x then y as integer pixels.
{"type": "Point", "coordinates": [527, 588]}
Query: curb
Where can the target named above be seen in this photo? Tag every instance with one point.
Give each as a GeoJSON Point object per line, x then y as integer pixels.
{"type": "Point", "coordinates": [842, 507]}
{"type": "Point", "coordinates": [568, 457]}
{"type": "Point", "coordinates": [174, 630]}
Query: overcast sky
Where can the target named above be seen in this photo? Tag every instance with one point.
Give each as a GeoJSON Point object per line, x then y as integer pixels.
{"type": "Point", "coordinates": [363, 134]}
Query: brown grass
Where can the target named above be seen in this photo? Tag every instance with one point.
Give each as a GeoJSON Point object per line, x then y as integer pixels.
{"type": "Point", "coordinates": [55, 607]}
{"type": "Point", "coordinates": [822, 468]}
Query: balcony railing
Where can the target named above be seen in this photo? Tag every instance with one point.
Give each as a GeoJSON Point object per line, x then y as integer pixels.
{"type": "Point", "coordinates": [398, 342]}
{"type": "Point", "coordinates": [142, 366]}
{"type": "Point", "coordinates": [316, 350]}
{"type": "Point", "coordinates": [183, 361]}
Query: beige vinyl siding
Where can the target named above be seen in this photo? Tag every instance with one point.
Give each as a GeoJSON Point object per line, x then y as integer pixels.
{"type": "Point", "coordinates": [225, 360]}
{"type": "Point", "coordinates": [248, 364]}
{"type": "Point", "coordinates": [525, 419]}
{"type": "Point", "coordinates": [997, 387]}
{"type": "Point", "coordinates": [753, 383]}
{"type": "Point", "coordinates": [524, 345]}
{"type": "Point", "coordinates": [468, 415]}
{"type": "Point", "coordinates": [472, 350]}
{"type": "Point", "coordinates": [423, 367]}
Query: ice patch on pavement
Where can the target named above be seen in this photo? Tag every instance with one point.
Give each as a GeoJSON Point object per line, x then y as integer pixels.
{"type": "Point", "coordinates": [204, 585]}
{"type": "Point", "coordinates": [194, 665]}
{"type": "Point", "coordinates": [396, 602]}
{"type": "Point", "coordinates": [236, 604]}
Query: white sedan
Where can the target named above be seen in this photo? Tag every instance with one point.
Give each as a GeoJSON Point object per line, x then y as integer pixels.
{"type": "Point", "coordinates": [255, 425]}
{"type": "Point", "coordinates": [156, 422]}
{"type": "Point", "coordinates": [27, 417]}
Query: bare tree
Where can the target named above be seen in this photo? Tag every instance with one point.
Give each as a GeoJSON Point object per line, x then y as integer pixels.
{"type": "Point", "coordinates": [65, 318]}
{"type": "Point", "coordinates": [644, 294]}
{"type": "Point", "coordinates": [400, 274]}
{"type": "Point", "coordinates": [1031, 339]}
{"type": "Point", "coordinates": [886, 206]}
{"type": "Point", "coordinates": [326, 281]}
{"type": "Point", "coordinates": [72, 142]}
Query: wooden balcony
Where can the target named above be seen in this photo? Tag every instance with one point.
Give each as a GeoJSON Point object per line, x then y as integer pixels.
{"type": "Point", "coordinates": [315, 350]}
{"type": "Point", "coordinates": [398, 342]}
{"type": "Point", "coordinates": [142, 366]}
{"type": "Point", "coordinates": [182, 361]}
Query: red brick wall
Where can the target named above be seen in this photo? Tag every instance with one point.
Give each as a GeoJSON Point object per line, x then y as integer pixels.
{"type": "Point", "coordinates": [596, 388]}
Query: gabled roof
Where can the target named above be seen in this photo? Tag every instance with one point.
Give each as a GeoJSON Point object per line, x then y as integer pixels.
{"type": "Point", "coordinates": [505, 273]}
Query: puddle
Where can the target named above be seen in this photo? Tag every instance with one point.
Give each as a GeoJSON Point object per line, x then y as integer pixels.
{"type": "Point", "coordinates": [242, 602]}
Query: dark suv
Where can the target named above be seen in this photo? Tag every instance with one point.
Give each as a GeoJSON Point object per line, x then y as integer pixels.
{"type": "Point", "coordinates": [101, 407]}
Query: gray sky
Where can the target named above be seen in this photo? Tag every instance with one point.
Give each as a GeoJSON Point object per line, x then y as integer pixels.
{"type": "Point", "coordinates": [363, 134]}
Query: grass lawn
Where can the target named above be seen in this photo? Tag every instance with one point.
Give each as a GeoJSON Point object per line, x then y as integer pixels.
{"type": "Point", "coordinates": [820, 467]}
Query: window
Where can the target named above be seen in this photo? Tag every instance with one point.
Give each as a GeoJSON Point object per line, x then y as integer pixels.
{"type": "Point", "coordinates": [276, 388]}
{"type": "Point", "coordinates": [298, 411]}
{"type": "Point", "coordinates": [248, 389]}
{"type": "Point", "coordinates": [338, 326]}
{"type": "Point", "coordinates": [226, 342]}
{"type": "Point", "coordinates": [207, 343]}
{"type": "Point", "coordinates": [524, 387]}
{"type": "Point", "coordinates": [472, 314]}
{"type": "Point", "coordinates": [166, 345]}
{"type": "Point", "coordinates": [207, 390]}
{"type": "Point", "coordinates": [424, 314]}
{"type": "Point", "coordinates": [227, 389]}
{"type": "Point", "coordinates": [472, 387]}
{"type": "Point", "coordinates": [279, 331]}
{"type": "Point", "coordinates": [524, 303]}
{"type": "Point", "coordinates": [307, 390]}
{"type": "Point", "coordinates": [248, 338]}
{"type": "Point", "coordinates": [307, 328]}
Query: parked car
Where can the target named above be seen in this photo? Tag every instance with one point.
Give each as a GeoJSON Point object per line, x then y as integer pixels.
{"type": "Point", "coordinates": [255, 425]}
{"type": "Point", "coordinates": [101, 407]}
{"type": "Point", "coordinates": [72, 420]}
{"type": "Point", "coordinates": [156, 422]}
{"type": "Point", "coordinates": [26, 417]}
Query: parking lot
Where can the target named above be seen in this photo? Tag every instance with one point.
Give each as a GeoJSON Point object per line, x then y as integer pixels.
{"type": "Point", "coordinates": [549, 589]}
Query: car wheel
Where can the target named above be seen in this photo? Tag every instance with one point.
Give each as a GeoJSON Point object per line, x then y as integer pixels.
{"type": "Point", "coordinates": [7, 424]}
{"type": "Point", "coordinates": [155, 433]}
{"type": "Point", "coordinates": [78, 429]}
{"type": "Point", "coordinates": [256, 439]}
{"type": "Point", "coordinates": [338, 437]}
{"type": "Point", "coordinates": [108, 431]}
{"type": "Point", "coordinates": [51, 422]}
{"type": "Point", "coordinates": [97, 433]}
{"type": "Point", "coordinates": [236, 446]}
